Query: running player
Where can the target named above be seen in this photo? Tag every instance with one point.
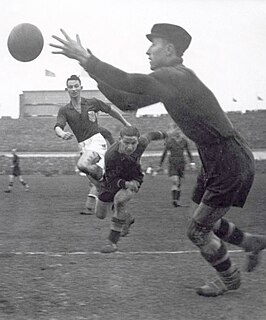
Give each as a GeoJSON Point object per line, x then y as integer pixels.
{"type": "Point", "coordinates": [176, 145]}
{"type": "Point", "coordinates": [81, 116]}
{"type": "Point", "coordinates": [16, 172]}
{"type": "Point", "coordinates": [228, 163]}
{"type": "Point", "coordinates": [121, 181]}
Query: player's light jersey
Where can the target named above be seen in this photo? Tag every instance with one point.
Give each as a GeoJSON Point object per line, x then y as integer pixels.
{"type": "Point", "coordinates": [85, 124]}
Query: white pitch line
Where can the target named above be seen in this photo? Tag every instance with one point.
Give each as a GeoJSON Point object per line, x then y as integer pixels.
{"type": "Point", "coordinates": [60, 254]}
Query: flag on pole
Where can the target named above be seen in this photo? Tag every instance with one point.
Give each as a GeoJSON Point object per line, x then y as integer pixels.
{"type": "Point", "coordinates": [259, 98]}
{"type": "Point", "coordinates": [234, 99]}
{"type": "Point", "coordinates": [49, 73]}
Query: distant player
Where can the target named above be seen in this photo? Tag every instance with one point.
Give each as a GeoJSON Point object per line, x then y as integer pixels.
{"type": "Point", "coordinates": [16, 172]}
{"type": "Point", "coordinates": [176, 145]}
{"type": "Point", "coordinates": [81, 116]}
{"type": "Point", "coordinates": [121, 181]}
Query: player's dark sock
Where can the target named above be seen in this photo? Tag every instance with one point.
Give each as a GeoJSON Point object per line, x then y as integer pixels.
{"type": "Point", "coordinates": [228, 232]}
{"type": "Point", "coordinates": [114, 236]}
{"type": "Point", "coordinates": [176, 194]}
{"type": "Point", "coordinates": [219, 260]}
{"type": "Point", "coordinates": [223, 266]}
{"type": "Point", "coordinates": [116, 228]}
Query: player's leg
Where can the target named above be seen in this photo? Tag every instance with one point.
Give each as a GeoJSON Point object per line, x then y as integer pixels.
{"type": "Point", "coordinates": [251, 243]}
{"type": "Point", "coordinates": [175, 190]}
{"type": "Point", "coordinates": [102, 208]}
{"type": "Point", "coordinates": [176, 172]}
{"type": "Point", "coordinates": [213, 250]}
{"type": "Point", "coordinates": [10, 183]}
{"type": "Point", "coordinates": [89, 208]}
{"type": "Point", "coordinates": [129, 221]}
{"type": "Point", "coordinates": [88, 163]}
{"type": "Point", "coordinates": [25, 185]}
{"type": "Point", "coordinates": [104, 204]}
{"type": "Point", "coordinates": [121, 199]}
{"type": "Point", "coordinates": [91, 161]}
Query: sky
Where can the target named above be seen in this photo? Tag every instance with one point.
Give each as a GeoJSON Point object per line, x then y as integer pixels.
{"type": "Point", "coordinates": [227, 52]}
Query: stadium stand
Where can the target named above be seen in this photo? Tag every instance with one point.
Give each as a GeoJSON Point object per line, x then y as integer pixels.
{"type": "Point", "coordinates": [36, 134]}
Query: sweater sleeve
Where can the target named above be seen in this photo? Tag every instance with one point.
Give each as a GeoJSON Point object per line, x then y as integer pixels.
{"type": "Point", "coordinates": [61, 119]}
{"type": "Point", "coordinates": [125, 101]}
{"type": "Point", "coordinates": [135, 83]}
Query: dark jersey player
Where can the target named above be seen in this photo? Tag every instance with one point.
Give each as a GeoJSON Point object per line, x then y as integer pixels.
{"type": "Point", "coordinates": [122, 179]}
{"type": "Point", "coordinates": [81, 116]}
{"type": "Point", "coordinates": [16, 172]}
{"type": "Point", "coordinates": [228, 163]}
{"type": "Point", "coordinates": [175, 147]}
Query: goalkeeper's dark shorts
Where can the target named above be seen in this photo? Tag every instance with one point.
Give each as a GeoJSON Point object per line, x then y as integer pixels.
{"type": "Point", "coordinates": [227, 174]}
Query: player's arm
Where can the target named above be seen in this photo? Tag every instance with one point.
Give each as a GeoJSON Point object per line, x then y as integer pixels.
{"type": "Point", "coordinates": [133, 184]}
{"type": "Point", "coordinates": [65, 135]}
{"type": "Point", "coordinates": [113, 177]}
{"type": "Point", "coordinates": [163, 156]}
{"type": "Point", "coordinates": [125, 101]}
{"type": "Point", "coordinates": [60, 125]}
{"type": "Point", "coordinates": [188, 152]}
{"type": "Point", "coordinates": [141, 87]}
{"type": "Point", "coordinates": [117, 115]}
{"type": "Point", "coordinates": [106, 134]}
{"type": "Point", "coordinates": [192, 163]}
{"type": "Point", "coordinates": [154, 135]}
{"type": "Point", "coordinates": [111, 169]}
{"type": "Point", "coordinates": [101, 106]}
{"type": "Point", "coordinates": [146, 138]}
{"type": "Point", "coordinates": [128, 82]}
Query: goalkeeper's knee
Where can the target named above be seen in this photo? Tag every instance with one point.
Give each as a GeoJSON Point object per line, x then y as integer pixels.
{"type": "Point", "coordinates": [198, 234]}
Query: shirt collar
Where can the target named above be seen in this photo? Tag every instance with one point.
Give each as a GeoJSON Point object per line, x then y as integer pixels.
{"type": "Point", "coordinates": [82, 102]}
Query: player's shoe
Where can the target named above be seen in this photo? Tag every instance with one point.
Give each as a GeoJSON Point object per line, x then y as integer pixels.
{"type": "Point", "coordinates": [27, 188]}
{"type": "Point", "coordinates": [7, 191]}
{"type": "Point", "coordinates": [176, 203]}
{"type": "Point", "coordinates": [87, 212]}
{"type": "Point", "coordinates": [226, 282]}
{"type": "Point", "coordinates": [126, 226]}
{"type": "Point", "coordinates": [254, 244]}
{"type": "Point", "coordinates": [110, 247]}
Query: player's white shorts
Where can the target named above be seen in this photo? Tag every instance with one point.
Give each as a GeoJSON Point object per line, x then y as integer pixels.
{"type": "Point", "coordinates": [97, 144]}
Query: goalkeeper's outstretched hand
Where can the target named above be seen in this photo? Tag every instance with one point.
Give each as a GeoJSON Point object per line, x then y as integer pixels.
{"type": "Point", "coordinates": [70, 48]}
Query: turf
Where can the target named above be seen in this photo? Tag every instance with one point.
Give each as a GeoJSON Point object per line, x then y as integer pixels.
{"type": "Point", "coordinates": [51, 267]}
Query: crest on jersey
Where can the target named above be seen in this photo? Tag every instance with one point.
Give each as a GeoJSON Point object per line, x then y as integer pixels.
{"type": "Point", "coordinates": [92, 116]}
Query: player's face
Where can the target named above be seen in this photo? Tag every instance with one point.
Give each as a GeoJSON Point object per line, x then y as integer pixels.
{"type": "Point", "coordinates": [73, 88]}
{"type": "Point", "coordinates": [157, 53]}
{"type": "Point", "coordinates": [128, 144]}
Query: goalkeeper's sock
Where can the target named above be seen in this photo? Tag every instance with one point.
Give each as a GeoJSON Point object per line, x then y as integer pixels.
{"type": "Point", "coordinates": [229, 232]}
